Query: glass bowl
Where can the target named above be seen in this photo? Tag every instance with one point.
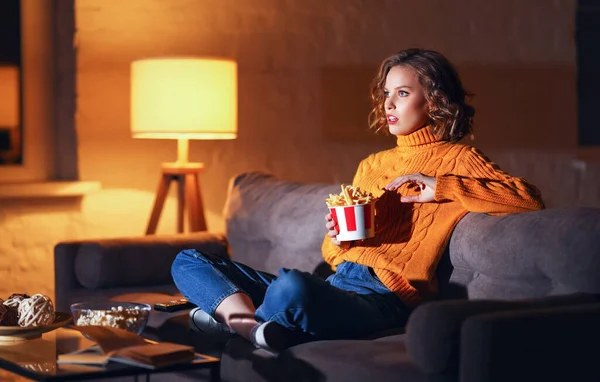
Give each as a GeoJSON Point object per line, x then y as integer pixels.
{"type": "Point", "coordinates": [130, 316]}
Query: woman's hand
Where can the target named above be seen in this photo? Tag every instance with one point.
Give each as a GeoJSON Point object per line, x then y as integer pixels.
{"type": "Point", "coordinates": [333, 232]}
{"type": "Point", "coordinates": [425, 184]}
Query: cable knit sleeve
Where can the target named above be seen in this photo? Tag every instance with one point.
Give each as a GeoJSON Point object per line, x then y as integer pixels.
{"type": "Point", "coordinates": [332, 253]}
{"type": "Point", "coordinates": [481, 186]}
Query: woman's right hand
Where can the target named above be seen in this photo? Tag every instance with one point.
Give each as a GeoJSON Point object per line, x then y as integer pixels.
{"type": "Point", "coordinates": [333, 232]}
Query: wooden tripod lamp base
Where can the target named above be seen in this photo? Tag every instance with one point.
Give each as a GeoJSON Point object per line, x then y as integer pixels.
{"type": "Point", "coordinates": [183, 98]}
{"type": "Point", "coordinates": [189, 197]}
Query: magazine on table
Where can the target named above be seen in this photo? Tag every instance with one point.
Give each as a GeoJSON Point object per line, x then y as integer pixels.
{"type": "Point", "coordinates": [118, 345]}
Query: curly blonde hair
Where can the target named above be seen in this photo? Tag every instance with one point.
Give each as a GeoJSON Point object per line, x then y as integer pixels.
{"type": "Point", "coordinates": [450, 117]}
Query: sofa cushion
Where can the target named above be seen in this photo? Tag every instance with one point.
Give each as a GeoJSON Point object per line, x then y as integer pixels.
{"type": "Point", "coordinates": [433, 330]}
{"type": "Point", "coordinates": [384, 359]}
{"type": "Point", "coordinates": [273, 223]}
{"type": "Point", "coordinates": [137, 261]}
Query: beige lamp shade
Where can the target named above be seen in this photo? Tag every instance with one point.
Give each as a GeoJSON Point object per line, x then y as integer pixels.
{"type": "Point", "coordinates": [9, 96]}
{"type": "Point", "coordinates": [184, 98]}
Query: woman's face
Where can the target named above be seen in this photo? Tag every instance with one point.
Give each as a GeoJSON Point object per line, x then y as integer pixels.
{"type": "Point", "coordinates": [405, 104]}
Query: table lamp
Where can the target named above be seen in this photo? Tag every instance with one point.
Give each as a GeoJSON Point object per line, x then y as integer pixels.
{"type": "Point", "coordinates": [183, 99]}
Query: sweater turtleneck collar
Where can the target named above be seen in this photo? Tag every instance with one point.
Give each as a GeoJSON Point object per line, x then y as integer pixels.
{"type": "Point", "coordinates": [417, 140]}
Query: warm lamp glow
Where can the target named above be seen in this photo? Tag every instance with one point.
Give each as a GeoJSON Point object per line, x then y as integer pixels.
{"type": "Point", "coordinates": [184, 98]}
{"type": "Point", "coordinates": [9, 97]}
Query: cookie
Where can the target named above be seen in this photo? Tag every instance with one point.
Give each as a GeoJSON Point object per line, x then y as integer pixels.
{"type": "Point", "coordinates": [11, 317]}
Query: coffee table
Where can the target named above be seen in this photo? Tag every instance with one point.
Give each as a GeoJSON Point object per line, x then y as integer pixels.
{"type": "Point", "coordinates": [35, 359]}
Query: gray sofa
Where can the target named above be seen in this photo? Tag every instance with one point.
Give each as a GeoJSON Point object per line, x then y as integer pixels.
{"type": "Point", "coordinates": [518, 295]}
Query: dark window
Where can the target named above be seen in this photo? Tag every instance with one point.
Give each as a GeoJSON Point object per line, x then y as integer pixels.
{"type": "Point", "coordinates": [10, 30]}
{"type": "Point", "coordinates": [11, 146]}
{"type": "Point", "coordinates": [588, 71]}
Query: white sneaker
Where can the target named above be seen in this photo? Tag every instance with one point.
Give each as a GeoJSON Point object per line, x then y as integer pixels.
{"type": "Point", "coordinates": [200, 321]}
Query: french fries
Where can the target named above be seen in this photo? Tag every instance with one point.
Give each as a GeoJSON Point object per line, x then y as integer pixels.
{"type": "Point", "coordinates": [349, 196]}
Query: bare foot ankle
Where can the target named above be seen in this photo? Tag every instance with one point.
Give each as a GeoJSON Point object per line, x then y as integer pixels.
{"type": "Point", "coordinates": [242, 325]}
{"type": "Point", "coordinates": [237, 312]}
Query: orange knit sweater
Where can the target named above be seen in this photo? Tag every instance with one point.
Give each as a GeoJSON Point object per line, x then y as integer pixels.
{"type": "Point", "coordinates": [410, 238]}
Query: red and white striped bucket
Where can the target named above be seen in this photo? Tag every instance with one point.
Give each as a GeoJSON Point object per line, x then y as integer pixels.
{"type": "Point", "coordinates": [355, 222]}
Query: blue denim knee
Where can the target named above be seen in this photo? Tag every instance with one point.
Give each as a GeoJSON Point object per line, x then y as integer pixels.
{"type": "Point", "coordinates": [287, 299]}
{"type": "Point", "coordinates": [200, 281]}
{"type": "Point", "coordinates": [206, 279]}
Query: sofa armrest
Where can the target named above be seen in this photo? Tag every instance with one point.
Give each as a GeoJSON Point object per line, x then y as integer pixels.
{"type": "Point", "coordinates": [64, 270]}
{"type": "Point", "coordinates": [126, 262]}
{"type": "Point", "coordinates": [433, 331]}
{"type": "Point", "coordinates": [546, 344]}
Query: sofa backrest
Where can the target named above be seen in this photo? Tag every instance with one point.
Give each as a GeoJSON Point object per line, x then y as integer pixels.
{"type": "Point", "coordinates": [273, 223]}
{"type": "Point", "coordinates": [532, 254]}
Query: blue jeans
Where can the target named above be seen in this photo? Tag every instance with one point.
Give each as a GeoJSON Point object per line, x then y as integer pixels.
{"type": "Point", "coordinates": [351, 303]}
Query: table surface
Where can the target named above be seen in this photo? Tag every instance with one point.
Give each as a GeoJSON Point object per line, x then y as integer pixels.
{"type": "Point", "coordinates": [35, 359]}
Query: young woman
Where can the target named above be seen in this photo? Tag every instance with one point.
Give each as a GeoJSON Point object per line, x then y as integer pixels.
{"type": "Point", "coordinates": [425, 185]}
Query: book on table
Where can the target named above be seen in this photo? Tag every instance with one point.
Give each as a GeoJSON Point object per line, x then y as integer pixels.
{"type": "Point", "coordinates": [119, 345]}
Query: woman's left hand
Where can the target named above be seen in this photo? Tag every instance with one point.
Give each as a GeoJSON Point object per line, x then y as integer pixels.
{"type": "Point", "coordinates": [425, 184]}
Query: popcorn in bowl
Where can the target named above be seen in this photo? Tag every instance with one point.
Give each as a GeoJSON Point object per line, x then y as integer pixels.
{"type": "Point", "coordinates": [129, 316]}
